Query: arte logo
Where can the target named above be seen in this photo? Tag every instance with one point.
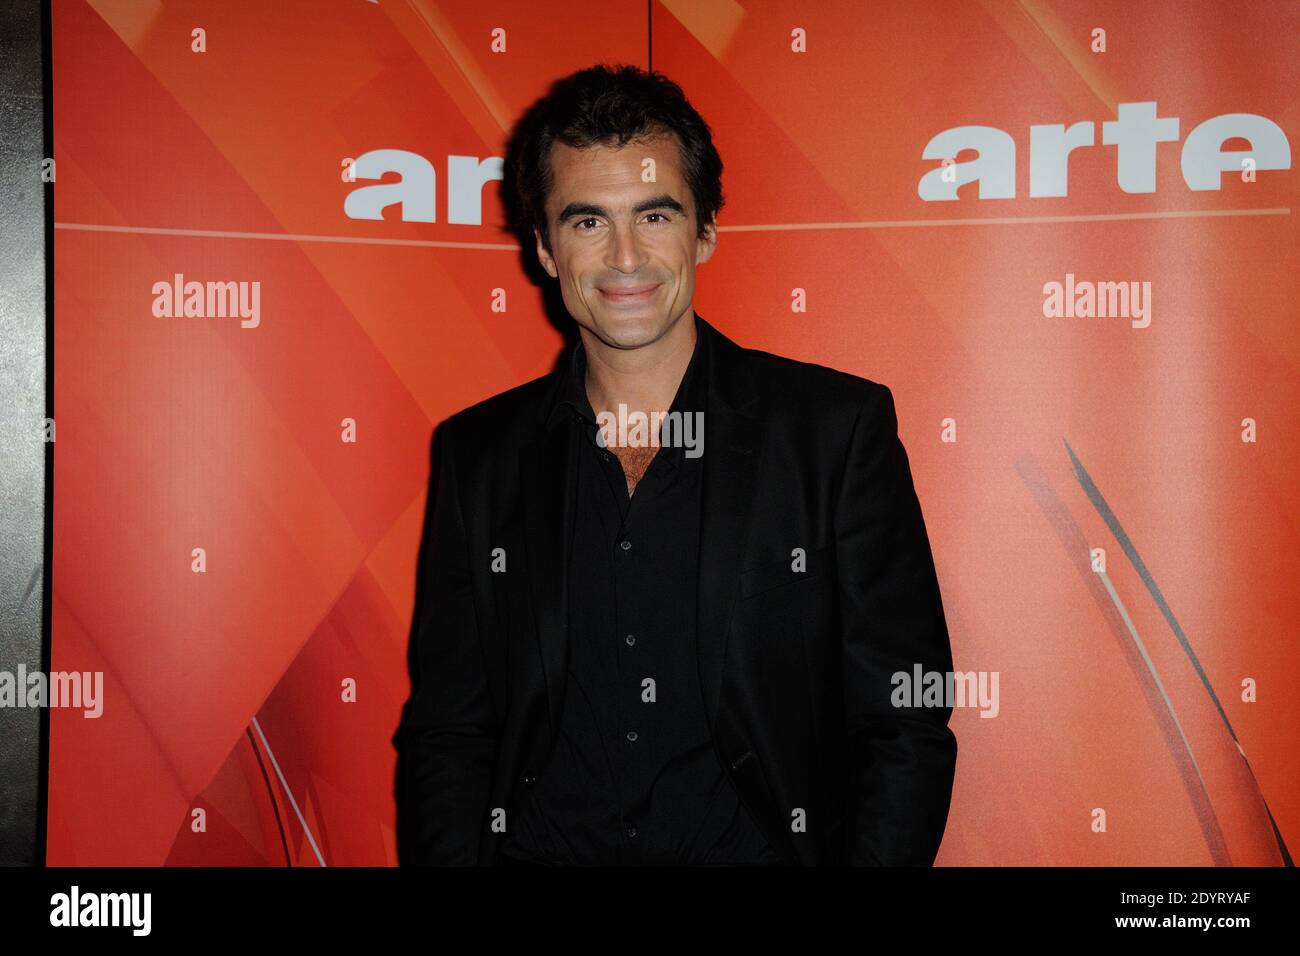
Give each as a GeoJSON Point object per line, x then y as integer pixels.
{"type": "Point", "coordinates": [417, 189]}
{"type": "Point", "coordinates": [1135, 136]}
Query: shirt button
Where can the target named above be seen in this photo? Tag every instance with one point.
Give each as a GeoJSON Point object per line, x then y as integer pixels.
{"type": "Point", "coordinates": [625, 544]}
{"type": "Point", "coordinates": [630, 640]}
{"type": "Point", "coordinates": [631, 831]}
{"type": "Point", "coordinates": [631, 735]}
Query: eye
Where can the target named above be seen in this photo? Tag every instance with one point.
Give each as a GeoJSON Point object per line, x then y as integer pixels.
{"type": "Point", "coordinates": [581, 221]}
{"type": "Point", "coordinates": [660, 215]}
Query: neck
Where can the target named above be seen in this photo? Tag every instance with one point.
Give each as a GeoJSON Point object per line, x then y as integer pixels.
{"type": "Point", "coordinates": [644, 379]}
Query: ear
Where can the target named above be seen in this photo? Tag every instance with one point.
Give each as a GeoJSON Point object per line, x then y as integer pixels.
{"type": "Point", "coordinates": [704, 246]}
{"type": "Point", "coordinates": [543, 256]}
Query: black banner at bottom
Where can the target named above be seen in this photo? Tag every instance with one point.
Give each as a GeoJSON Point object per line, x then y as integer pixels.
{"type": "Point", "coordinates": [434, 906]}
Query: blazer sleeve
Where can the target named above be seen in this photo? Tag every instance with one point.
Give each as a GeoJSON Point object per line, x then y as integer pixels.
{"type": "Point", "coordinates": [900, 759]}
{"type": "Point", "coordinates": [448, 734]}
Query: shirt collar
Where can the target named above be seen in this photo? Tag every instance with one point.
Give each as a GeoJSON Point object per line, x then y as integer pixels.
{"type": "Point", "coordinates": [573, 405]}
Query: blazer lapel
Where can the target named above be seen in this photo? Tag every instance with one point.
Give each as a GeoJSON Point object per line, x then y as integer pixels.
{"type": "Point", "coordinates": [548, 476]}
{"type": "Point", "coordinates": [733, 437]}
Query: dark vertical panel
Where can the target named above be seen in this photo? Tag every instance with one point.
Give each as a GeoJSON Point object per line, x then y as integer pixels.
{"type": "Point", "coordinates": [25, 460]}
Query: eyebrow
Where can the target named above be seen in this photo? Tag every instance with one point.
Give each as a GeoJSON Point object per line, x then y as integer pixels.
{"type": "Point", "coordinates": [575, 209]}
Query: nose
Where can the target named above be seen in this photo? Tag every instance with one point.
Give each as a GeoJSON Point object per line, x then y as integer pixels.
{"type": "Point", "coordinates": [625, 253]}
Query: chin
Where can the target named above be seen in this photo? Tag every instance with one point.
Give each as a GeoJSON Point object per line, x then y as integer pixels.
{"type": "Point", "coordinates": [629, 332]}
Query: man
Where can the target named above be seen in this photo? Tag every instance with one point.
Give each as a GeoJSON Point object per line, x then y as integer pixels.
{"type": "Point", "coordinates": [681, 649]}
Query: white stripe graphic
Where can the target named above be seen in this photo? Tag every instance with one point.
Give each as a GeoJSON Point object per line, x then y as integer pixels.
{"type": "Point", "coordinates": [288, 793]}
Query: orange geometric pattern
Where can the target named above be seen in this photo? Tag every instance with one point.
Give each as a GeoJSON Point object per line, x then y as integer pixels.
{"type": "Point", "coordinates": [227, 692]}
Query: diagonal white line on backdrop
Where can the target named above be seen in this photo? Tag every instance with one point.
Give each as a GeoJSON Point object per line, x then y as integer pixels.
{"type": "Point", "coordinates": [288, 793]}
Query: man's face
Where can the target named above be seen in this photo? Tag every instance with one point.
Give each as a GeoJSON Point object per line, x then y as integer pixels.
{"type": "Point", "coordinates": [612, 232]}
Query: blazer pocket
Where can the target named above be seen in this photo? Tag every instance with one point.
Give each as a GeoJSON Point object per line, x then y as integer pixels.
{"type": "Point", "coordinates": [776, 574]}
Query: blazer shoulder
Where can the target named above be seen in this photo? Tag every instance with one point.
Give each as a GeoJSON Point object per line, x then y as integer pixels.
{"type": "Point", "coordinates": [504, 408]}
{"type": "Point", "coordinates": [499, 421]}
{"type": "Point", "coordinates": [783, 379]}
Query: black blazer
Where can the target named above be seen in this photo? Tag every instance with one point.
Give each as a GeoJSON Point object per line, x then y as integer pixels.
{"type": "Point", "coordinates": [795, 660]}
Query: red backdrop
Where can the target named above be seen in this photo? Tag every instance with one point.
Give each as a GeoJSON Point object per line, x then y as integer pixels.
{"type": "Point", "coordinates": [219, 156]}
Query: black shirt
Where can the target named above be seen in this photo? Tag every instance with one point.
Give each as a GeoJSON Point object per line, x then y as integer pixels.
{"type": "Point", "coordinates": [634, 777]}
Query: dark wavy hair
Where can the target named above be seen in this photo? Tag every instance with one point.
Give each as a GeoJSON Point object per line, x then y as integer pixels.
{"type": "Point", "coordinates": [606, 105]}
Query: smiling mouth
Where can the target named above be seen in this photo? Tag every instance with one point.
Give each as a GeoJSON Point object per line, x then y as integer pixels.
{"type": "Point", "coordinates": [638, 293]}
